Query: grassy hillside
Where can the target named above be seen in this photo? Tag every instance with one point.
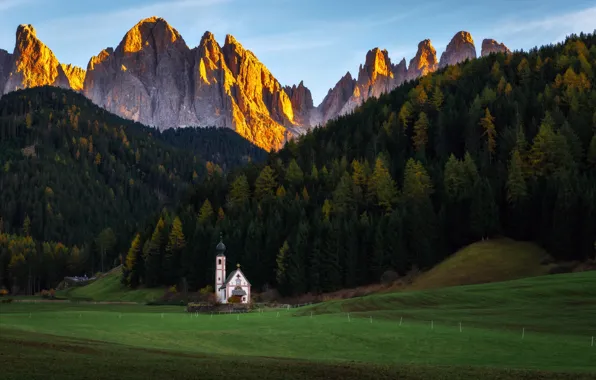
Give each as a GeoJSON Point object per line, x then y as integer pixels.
{"type": "Point", "coordinates": [109, 288]}
{"type": "Point", "coordinates": [38, 339]}
{"type": "Point", "coordinates": [552, 304]}
{"type": "Point", "coordinates": [486, 261]}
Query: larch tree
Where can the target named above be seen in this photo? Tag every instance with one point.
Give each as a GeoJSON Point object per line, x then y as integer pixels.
{"type": "Point", "coordinates": [206, 212]}
{"type": "Point", "coordinates": [239, 191]}
{"type": "Point", "coordinates": [265, 183]}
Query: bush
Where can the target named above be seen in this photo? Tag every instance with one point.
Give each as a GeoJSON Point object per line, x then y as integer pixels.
{"type": "Point", "coordinates": [173, 289]}
{"type": "Point", "coordinates": [235, 299]}
{"type": "Point", "coordinates": [206, 290]}
{"type": "Point", "coordinates": [7, 300]}
{"type": "Point", "coordinates": [48, 294]}
{"type": "Point", "coordinates": [3, 292]}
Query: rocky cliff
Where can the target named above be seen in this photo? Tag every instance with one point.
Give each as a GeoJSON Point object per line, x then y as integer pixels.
{"type": "Point", "coordinates": [75, 76]}
{"type": "Point", "coordinates": [5, 66]}
{"type": "Point", "coordinates": [424, 62]}
{"type": "Point", "coordinates": [336, 98]}
{"type": "Point", "coordinates": [153, 77]}
{"type": "Point", "coordinates": [459, 49]}
{"type": "Point", "coordinates": [491, 46]}
{"type": "Point", "coordinates": [32, 63]}
{"type": "Point", "coordinates": [302, 103]}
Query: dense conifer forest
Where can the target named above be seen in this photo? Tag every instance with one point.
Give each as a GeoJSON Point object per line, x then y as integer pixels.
{"type": "Point", "coordinates": [499, 146]}
{"type": "Point", "coordinates": [84, 180]}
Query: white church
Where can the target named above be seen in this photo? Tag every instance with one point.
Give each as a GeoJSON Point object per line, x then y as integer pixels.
{"type": "Point", "coordinates": [234, 285]}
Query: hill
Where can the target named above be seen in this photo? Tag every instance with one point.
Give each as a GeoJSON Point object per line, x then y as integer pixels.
{"type": "Point", "coordinates": [503, 145]}
{"type": "Point", "coordinates": [108, 287]}
{"type": "Point", "coordinates": [567, 300]}
{"type": "Point", "coordinates": [486, 261]}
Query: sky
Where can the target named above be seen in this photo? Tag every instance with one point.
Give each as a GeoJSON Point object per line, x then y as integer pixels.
{"type": "Point", "coordinates": [316, 41]}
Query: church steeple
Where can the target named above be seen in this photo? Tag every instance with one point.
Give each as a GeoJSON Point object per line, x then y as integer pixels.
{"type": "Point", "coordinates": [220, 271]}
{"type": "Point", "coordinates": [221, 247]}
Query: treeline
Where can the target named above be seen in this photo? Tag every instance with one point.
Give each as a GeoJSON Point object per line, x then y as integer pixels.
{"type": "Point", "coordinates": [28, 266]}
{"type": "Point", "coordinates": [79, 174]}
{"type": "Point", "coordinates": [503, 145]}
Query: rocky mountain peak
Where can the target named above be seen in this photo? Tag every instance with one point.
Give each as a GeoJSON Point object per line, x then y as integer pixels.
{"type": "Point", "coordinates": [152, 32]}
{"type": "Point", "coordinates": [377, 63]}
{"type": "Point", "coordinates": [458, 50]}
{"type": "Point", "coordinates": [25, 31]}
{"type": "Point", "coordinates": [75, 76]}
{"type": "Point", "coordinates": [302, 103]}
{"type": "Point", "coordinates": [424, 62]}
{"type": "Point", "coordinates": [33, 63]}
{"type": "Point", "coordinates": [491, 46]}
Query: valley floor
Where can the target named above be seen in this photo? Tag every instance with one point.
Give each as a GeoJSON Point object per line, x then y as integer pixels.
{"type": "Point", "coordinates": [133, 341]}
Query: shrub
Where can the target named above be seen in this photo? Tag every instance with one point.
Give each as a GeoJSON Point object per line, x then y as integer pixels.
{"type": "Point", "coordinates": [206, 290]}
{"type": "Point", "coordinates": [3, 292]}
{"type": "Point", "coordinates": [173, 289]}
{"type": "Point", "coordinates": [234, 299]}
{"type": "Point", "coordinates": [48, 294]}
{"type": "Point", "coordinates": [7, 300]}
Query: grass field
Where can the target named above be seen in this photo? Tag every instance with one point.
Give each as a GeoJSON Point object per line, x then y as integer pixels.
{"type": "Point", "coordinates": [486, 261]}
{"type": "Point", "coordinates": [109, 288]}
{"type": "Point", "coordinates": [557, 312]}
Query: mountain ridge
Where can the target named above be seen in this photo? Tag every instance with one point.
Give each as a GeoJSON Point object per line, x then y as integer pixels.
{"type": "Point", "coordinates": [154, 77]}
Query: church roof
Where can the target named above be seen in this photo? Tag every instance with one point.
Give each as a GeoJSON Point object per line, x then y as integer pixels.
{"type": "Point", "coordinates": [231, 276]}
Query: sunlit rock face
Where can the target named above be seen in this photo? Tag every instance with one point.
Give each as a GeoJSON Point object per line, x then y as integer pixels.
{"type": "Point", "coordinates": [375, 77]}
{"type": "Point", "coordinates": [424, 62]}
{"type": "Point", "coordinates": [32, 63]}
{"type": "Point", "coordinates": [491, 46]}
{"type": "Point", "coordinates": [146, 78]}
{"type": "Point", "coordinates": [153, 77]}
{"type": "Point", "coordinates": [302, 104]}
{"type": "Point", "coordinates": [336, 98]}
{"type": "Point", "coordinates": [75, 76]}
{"type": "Point", "coordinates": [459, 49]}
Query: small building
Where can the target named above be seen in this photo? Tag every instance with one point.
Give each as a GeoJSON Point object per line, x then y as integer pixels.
{"type": "Point", "coordinates": [233, 285]}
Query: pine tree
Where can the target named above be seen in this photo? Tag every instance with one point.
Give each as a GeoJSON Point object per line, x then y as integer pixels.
{"type": "Point", "coordinates": [176, 243]}
{"type": "Point", "coordinates": [417, 182]}
{"type": "Point", "coordinates": [27, 226]}
{"type": "Point", "coordinates": [206, 212]}
{"type": "Point", "coordinates": [488, 125]}
{"type": "Point", "coordinates": [265, 183]}
{"type": "Point", "coordinates": [130, 271]}
{"type": "Point", "coordinates": [421, 133]}
{"type": "Point", "coordinates": [282, 263]}
{"type": "Point", "coordinates": [437, 98]}
{"type": "Point", "coordinates": [239, 191]}
{"type": "Point", "coordinates": [516, 183]}
{"type": "Point", "coordinates": [153, 254]}
{"type": "Point", "coordinates": [294, 174]}
{"type": "Point", "coordinates": [280, 192]}
{"type": "Point", "coordinates": [343, 196]}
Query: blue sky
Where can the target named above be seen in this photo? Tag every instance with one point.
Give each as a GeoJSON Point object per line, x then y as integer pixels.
{"type": "Point", "coordinates": [312, 40]}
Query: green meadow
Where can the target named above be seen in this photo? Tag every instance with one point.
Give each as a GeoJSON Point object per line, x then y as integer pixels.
{"type": "Point", "coordinates": [535, 328]}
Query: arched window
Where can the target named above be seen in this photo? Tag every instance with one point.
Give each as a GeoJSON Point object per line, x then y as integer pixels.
{"type": "Point", "coordinates": [219, 262]}
{"type": "Point", "coordinates": [219, 279]}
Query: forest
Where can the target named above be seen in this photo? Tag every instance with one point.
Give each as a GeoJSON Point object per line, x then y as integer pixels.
{"type": "Point", "coordinates": [76, 182]}
{"type": "Point", "coordinates": [498, 146]}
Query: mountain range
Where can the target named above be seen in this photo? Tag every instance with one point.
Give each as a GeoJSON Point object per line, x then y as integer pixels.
{"type": "Point", "coordinates": [153, 77]}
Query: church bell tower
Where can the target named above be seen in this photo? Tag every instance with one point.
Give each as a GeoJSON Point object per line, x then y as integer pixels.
{"type": "Point", "coordinates": [220, 271]}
